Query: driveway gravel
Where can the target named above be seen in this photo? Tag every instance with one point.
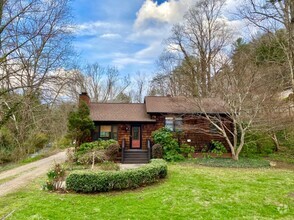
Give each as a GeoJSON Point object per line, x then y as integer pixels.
{"type": "Point", "coordinates": [23, 175]}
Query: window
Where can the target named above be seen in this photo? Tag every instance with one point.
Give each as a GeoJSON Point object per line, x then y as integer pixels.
{"type": "Point", "coordinates": [108, 132]}
{"type": "Point", "coordinates": [174, 123]}
{"type": "Point", "coordinates": [178, 124]}
{"type": "Point", "coordinates": [105, 131]}
{"type": "Point", "coordinates": [169, 123]}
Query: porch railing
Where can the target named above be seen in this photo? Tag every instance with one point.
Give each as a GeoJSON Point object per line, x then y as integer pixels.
{"type": "Point", "coordinates": [123, 144]}
{"type": "Point", "coordinates": [149, 149]}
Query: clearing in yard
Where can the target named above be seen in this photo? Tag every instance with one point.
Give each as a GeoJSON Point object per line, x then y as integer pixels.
{"type": "Point", "coordinates": [189, 192]}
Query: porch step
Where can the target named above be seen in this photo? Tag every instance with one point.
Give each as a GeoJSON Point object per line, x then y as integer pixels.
{"type": "Point", "coordinates": [136, 156]}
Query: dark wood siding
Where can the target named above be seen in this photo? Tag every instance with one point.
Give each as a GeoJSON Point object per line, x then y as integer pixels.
{"type": "Point", "coordinates": [196, 128]}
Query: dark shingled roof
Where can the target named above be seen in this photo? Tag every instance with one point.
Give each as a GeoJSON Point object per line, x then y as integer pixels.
{"type": "Point", "coordinates": [181, 104]}
{"type": "Point", "coordinates": [119, 112]}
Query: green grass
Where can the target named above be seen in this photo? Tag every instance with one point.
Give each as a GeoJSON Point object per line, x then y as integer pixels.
{"type": "Point", "coordinates": [189, 192]}
{"type": "Point", "coordinates": [32, 159]}
{"type": "Point", "coordinates": [228, 162]}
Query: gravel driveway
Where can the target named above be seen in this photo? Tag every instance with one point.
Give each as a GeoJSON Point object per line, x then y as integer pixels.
{"type": "Point", "coordinates": [21, 176]}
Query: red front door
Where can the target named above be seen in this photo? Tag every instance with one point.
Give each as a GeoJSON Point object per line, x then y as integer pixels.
{"type": "Point", "coordinates": [136, 137]}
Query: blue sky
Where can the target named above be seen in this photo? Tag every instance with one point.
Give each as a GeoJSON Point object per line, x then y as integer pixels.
{"type": "Point", "coordinates": [123, 33]}
{"type": "Point", "coordinates": [127, 34]}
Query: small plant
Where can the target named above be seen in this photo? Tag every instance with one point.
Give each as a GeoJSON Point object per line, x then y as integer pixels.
{"type": "Point", "coordinates": [55, 178]}
{"type": "Point", "coordinates": [157, 151]}
{"type": "Point", "coordinates": [187, 150]}
{"type": "Point", "coordinates": [219, 149]}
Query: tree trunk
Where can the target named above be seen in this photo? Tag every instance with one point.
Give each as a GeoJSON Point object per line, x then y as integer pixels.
{"type": "Point", "coordinates": [291, 42]}
{"type": "Point", "coordinates": [276, 141]}
{"type": "Point", "coordinates": [235, 157]}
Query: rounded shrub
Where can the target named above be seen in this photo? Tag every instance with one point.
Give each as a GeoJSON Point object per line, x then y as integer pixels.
{"type": "Point", "coordinates": [103, 181]}
{"type": "Point", "coordinates": [157, 151]}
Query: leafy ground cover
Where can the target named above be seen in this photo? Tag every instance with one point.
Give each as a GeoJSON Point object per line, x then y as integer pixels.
{"type": "Point", "coordinates": [189, 192]}
{"type": "Point", "coordinates": [228, 162]}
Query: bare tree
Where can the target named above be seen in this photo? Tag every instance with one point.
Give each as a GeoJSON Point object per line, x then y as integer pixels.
{"type": "Point", "coordinates": [103, 84]}
{"type": "Point", "coordinates": [139, 88]}
{"type": "Point", "coordinates": [271, 16]}
{"type": "Point", "coordinates": [34, 46]}
{"type": "Point", "coordinates": [243, 90]}
{"type": "Point", "coordinates": [202, 36]}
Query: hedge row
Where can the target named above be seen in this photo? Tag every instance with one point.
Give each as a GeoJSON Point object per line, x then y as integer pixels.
{"type": "Point", "coordinates": [102, 181]}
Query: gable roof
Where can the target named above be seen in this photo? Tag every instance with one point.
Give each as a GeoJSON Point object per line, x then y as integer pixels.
{"type": "Point", "coordinates": [116, 112]}
{"type": "Point", "coordinates": [181, 104]}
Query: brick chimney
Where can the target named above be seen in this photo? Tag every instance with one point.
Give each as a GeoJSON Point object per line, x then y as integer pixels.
{"type": "Point", "coordinates": [84, 97]}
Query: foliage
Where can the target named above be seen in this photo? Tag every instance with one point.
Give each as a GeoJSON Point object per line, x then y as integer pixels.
{"type": "Point", "coordinates": [89, 182]}
{"type": "Point", "coordinates": [257, 144]}
{"type": "Point", "coordinates": [55, 177]}
{"type": "Point", "coordinates": [157, 151]}
{"type": "Point", "coordinates": [171, 149]}
{"type": "Point", "coordinates": [95, 145]}
{"type": "Point", "coordinates": [286, 151]}
{"type": "Point", "coordinates": [219, 148]}
{"type": "Point", "coordinates": [91, 157]}
{"type": "Point", "coordinates": [80, 124]}
{"type": "Point", "coordinates": [112, 151]}
{"type": "Point", "coordinates": [6, 145]}
{"type": "Point", "coordinates": [96, 152]}
{"type": "Point", "coordinates": [187, 150]}
{"type": "Point", "coordinates": [63, 143]}
{"type": "Point", "coordinates": [36, 141]}
{"type": "Point", "coordinates": [227, 162]}
{"type": "Point", "coordinates": [268, 48]}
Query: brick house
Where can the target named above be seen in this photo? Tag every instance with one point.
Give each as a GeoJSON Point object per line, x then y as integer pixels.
{"type": "Point", "coordinates": [131, 124]}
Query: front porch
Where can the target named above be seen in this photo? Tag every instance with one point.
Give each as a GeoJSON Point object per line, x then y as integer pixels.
{"type": "Point", "coordinates": [135, 156]}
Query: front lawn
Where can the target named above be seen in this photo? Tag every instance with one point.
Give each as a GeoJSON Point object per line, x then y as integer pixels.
{"type": "Point", "coordinates": [189, 192]}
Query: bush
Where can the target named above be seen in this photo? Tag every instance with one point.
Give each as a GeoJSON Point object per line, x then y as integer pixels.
{"type": "Point", "coordinates": [171, 149]}
{"type": "Point", "coordinates": [97, 145]}
{"type": "Point", "coordinates": [55, 178]}
{"type": "Point", "coordinates": [103, 181]}
{"type": "Point", "coordinates": [36, 141]}
{"type": "Point", "coordinates": [87, 158]}
{"type": "Point", "coordinates": [218, 148]}
{"type": "Point", "coordinates": [187, 150]}
{"type": "Point", "coordinates": [63, 143]}
{"type": "Point", "coordinates": [84, 155]}
{"type": "Point", "coordinates": [8, 150]}
{"type": "Point", "coordinates": [257, 144]}
{"type": "Point", "coordinates": [157, 151]}
{"type": "Point", "coordinates": [111, 151]}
